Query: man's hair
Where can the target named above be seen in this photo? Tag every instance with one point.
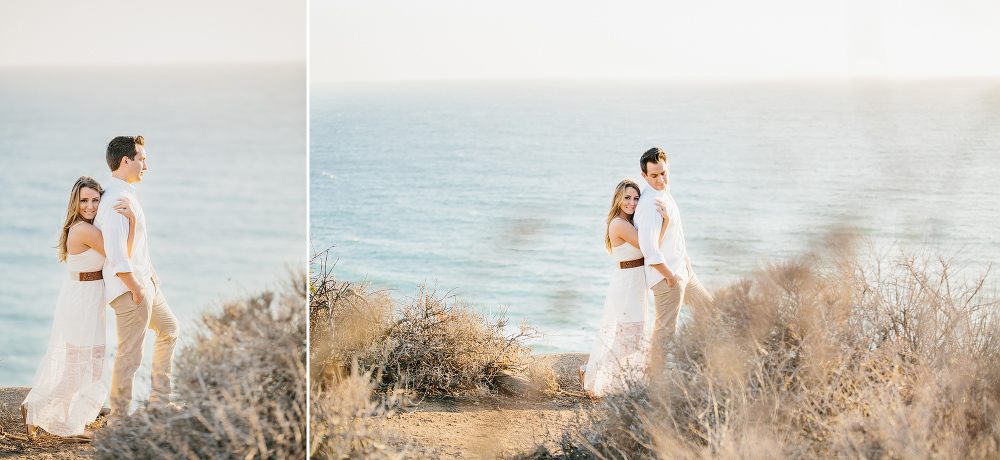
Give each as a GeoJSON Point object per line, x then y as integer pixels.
{"type": "Point", "coordinates": [653, 155]}
{"type": "Point", "coordinates": [121, 147]}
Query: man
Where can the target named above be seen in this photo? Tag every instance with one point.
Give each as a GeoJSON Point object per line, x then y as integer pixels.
{"type": "Point", "coordinates": [668, 268]}
{"type": "Point", "coordinates": [131, 284]}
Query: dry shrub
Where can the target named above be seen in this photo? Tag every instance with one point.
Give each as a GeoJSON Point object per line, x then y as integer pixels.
{"type": "Point", "coordinates": [424, 343]}
{"type": "Point", "coordinates": [428, 343]}
{"type": "Point", "coordinates": [839, 354]}
{"type": "Point", "coordinates": [437, 347]}
{"type": "Point", "coordinates": [242, 382]}
{"type": "Point", "coordinates": [344, 318]}
{"type": "Point", "coordinates": [346, 423]}
{"type": "Point", "coordinates": [346, 418]}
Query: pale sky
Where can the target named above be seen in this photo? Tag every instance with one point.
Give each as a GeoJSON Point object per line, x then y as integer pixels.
{"type": "Point", "coordinates": [444, 39]}
{"type": "Point", "coordinates": [73, 32]}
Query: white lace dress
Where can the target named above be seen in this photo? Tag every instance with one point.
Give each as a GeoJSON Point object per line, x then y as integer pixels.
{"type": "Point", "coordinates": [71, 383]}
{"type": "Point", "coordinates": [622, 343]}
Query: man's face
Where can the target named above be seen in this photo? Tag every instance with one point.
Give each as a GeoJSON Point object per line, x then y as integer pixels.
{"type": "Point", "coordinates": [657, 175]}
{"type": "Point", "coordinates": [136, 167]}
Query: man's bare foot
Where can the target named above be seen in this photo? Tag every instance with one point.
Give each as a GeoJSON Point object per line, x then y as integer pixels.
{"type": "Point", "coordinates": [169, 408]}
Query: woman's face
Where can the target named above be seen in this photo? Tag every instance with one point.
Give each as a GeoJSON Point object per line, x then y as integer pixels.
{"type": "Point", "coordinates": [89, 198]}
{"type": "Point", "coordinates": [629, 200]}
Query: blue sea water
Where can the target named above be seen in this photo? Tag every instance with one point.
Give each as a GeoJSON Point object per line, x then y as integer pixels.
{"type": "Point", "coordinates": [224, 195]}
{"type": "Point", "coordinates": [499, 190]}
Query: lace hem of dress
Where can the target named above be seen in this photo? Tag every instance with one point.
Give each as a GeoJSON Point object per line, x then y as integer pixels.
{"type": "Point", "coordinates": [627, 338]}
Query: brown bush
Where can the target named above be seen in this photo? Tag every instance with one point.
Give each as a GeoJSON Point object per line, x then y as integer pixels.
{"type": "Point", "coordinates": [242, 382]}
{"type": "Point", "coordinates": [425, 344]}
{"type": "Point", "coordinates": [344, 319]}
{"type": "Point", "coordinates": [346, 422]}
{"type": "Point", "coordinates": [429, 343]}
{"type": "Point", "coordinates": [831, 355]}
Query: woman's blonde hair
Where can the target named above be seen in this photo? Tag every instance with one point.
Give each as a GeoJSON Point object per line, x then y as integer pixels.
{"type": "Point", "coordinates": [616, 208]}
{"type": "Point", "coordinates": [73, 211]}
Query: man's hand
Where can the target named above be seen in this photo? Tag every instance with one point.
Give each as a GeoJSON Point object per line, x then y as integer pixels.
{"type": "Point", "coordinates": [667, 273]}
{"type": "Point", "coordinates": [133, 285]}
{"type": "Point", "coordinates": [138, 297]}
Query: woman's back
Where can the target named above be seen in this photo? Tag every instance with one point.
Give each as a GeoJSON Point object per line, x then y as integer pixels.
{"type": "Point", "coordinates": [86, 261]}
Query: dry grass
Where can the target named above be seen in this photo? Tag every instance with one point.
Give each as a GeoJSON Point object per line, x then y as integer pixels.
{"type": "Point", "coordinates": [242, 381]}
{"type": "Point", "coordinates": [845, 353]}
{"type": "Point", "coordinates": [346, 423]}
{"type": "Point", "coordinates": [429, 343]}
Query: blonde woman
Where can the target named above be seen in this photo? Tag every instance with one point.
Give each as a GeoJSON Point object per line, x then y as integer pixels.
{"type": "Point", "coordinates": [622, 342]}
{"type": "Point", "coordinates": [71, 382]}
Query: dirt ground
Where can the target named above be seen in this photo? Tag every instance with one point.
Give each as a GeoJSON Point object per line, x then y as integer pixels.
{"type": "Point", "coordinates": [14, 443]}
{"type": "Point", "coordinates": [451, 428]}
{"type": "Point", "coordinates": [454, 429]}
{"type": "Point", "coordinates": [499, 426]}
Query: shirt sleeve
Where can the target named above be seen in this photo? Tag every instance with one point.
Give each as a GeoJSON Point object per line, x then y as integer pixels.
{"type": "Point", "coordinates": [648, 223]}
{"type": "Point", "coordinates": [115, 234]}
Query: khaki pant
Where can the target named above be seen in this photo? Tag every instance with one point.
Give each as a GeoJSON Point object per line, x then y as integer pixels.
{"type": "Point", "coordinates": [131, 321]}
{"type": "Point", "coordinates": [668, 306]}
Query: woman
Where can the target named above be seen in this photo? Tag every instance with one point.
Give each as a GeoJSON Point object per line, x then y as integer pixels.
{"type": "Point", "coordinates": [621, 343]}
{"type": "Point", "coordinates": [70, 385]}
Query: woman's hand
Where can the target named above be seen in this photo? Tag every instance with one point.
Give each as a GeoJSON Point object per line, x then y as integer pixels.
{"type": "Point", "coordinates": [124, 207]}
{"type": "Point", "coordinates": [661, 207]}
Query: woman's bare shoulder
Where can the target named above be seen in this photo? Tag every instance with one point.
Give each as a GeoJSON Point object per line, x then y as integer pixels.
{"type": "Point", "coordinates": [84, 229]}
{"type": "Point", "coordinates": [620, 224]}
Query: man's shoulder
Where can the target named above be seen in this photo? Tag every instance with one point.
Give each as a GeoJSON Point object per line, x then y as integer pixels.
{"type": "Point", "coordinates": [647, 195]}
{"type": "Point", "coordinates": [112, 190]}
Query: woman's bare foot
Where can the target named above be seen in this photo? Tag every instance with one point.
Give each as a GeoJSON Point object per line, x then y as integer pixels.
{"type": "Point", "coordinates": [87, 436]}
{"type": "Point", "coordinates": [29, 430]}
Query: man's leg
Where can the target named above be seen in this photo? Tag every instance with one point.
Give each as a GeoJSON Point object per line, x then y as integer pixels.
{"type": "Point", "coordinates": [667, 301]}
{"type": "Point", "coordinates": [697, 296]}
{"type": "Point", "coordinates": [131, 321]}
{"type": "Point", "coordinates": [164, 324]}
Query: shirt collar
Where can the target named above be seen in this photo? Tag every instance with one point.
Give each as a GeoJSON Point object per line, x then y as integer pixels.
{"type": "Point", "coordinates": [124, 185]}
{"type": "Point", "coordinates": [655, 192]}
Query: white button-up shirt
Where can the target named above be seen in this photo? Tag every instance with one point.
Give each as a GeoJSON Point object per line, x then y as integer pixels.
{"type": "Point", "coordinates": [114, 227]}
{"type": "Point", "coordinates": [672, 250]}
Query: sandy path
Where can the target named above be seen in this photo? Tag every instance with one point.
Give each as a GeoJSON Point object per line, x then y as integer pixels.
{"type": "Point", "coordinates": [13, 442]}
{"type": "Point", "coordinates": [494, 426]}
{"type": "Point", "coordinates": [453, 429]}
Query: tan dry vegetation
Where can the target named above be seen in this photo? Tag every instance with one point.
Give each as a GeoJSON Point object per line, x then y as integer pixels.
{"type": "Point", "coordinates": [849, 352]}
{"type": "Point", "coordinates": [429, 344]}
{"type": "Point", "coordinates": [242, 382]}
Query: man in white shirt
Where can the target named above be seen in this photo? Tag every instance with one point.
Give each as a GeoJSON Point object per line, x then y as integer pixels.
{"type": "Point", "coordinates": [131, 284]}
{"type": "Point", "coordinates": [668, 268]}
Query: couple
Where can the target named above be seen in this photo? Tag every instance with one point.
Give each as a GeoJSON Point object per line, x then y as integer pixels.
{"type": "Point", "coordinates": [104, 244]}
{"type": "Point", "coordinates": [645, 237]}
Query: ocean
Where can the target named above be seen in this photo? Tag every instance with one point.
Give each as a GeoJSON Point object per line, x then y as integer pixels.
{"type": "Point", "coordinates": [224, 195]}
{"type": "Point", "coordinates": [497, 191]}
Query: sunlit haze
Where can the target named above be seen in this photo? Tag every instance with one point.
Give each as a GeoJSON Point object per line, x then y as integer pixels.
{"type": "Point", "coordinates": [63, 32]}
{"type": "Point", "coordinates": [447, 39]}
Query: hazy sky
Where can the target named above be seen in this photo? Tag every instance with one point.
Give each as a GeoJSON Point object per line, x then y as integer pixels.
{"type": "Point", "coordinates": [434, 39]}
{"type": "Point", "coordinates": [70, 32]}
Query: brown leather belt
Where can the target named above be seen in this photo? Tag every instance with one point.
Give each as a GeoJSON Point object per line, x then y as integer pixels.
{"type": "Point", "coordinates": [86, 276]}
{"type": "Point", "coordinates": [632, 263]}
